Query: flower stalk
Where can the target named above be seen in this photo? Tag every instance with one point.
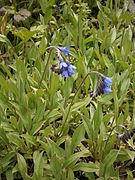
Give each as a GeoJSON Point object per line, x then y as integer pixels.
{"type": "Point", "coordinates": [65, 69]}
{"type": "Point", "coordinates": [71, 103]}
{"type": "Point", "coordinates": [45, 67]}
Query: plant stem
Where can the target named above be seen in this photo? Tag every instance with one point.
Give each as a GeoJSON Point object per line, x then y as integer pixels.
{"type": "Point", "coordinates": [25, 52]}
{"type": "Point", "coordinates": [45, 67]}
{"type": "Point", "coordinates": [121, 43]}
{"type": "Point", "coordinates": [109, 135]}
{"type": "Point", "coordinates": [71, 103]}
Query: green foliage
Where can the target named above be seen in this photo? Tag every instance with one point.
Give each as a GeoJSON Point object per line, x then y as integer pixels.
{"type": "Point", "coordinates": [49, 131]}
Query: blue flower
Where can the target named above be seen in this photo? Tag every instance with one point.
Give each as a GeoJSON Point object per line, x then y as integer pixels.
{"type": "Point", "coordinates": [107, 90]}
{"type": "Point", "coordinates": [67, 69]}
{"type": "Point", "coordinates": [70, 70]}
{"type": "Point", "coordinates": [62, 64]}
{"type": "Point", "coordinates": [65, 50]}
{"type": "Point", "coordinates": [65, 73]}
{"type": "Point", "coordinates": [107, 82]}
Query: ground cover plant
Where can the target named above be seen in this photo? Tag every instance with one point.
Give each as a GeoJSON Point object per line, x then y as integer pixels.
{"type": "Point", "coordinates": [67, 88]}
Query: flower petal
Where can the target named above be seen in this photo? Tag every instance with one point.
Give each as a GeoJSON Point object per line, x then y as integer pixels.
{"type": "Point", "coordinates": [70, 71]}
{"type": "Point", "coordinates": [62, 64]}
{"type": "Point", "coordinates": [74, 67]}
{"type": "Point", "coordinates": [107, 81]}
{"type": "Point", "coordinates": [65, 50]}
{"type": "Point", "coordinates": [67, 68]}
{"type": "Point", "coordinates": [107, 90]}
{"type": "Point", "coordinates": [64, 73]}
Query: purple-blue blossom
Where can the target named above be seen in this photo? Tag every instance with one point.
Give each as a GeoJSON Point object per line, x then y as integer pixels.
{"type": "Point", "coordinates": [107, 82]}
{"type": "Point", "coordinates": [67, 69]}
{"type": "Point", "coordinates": [107, 90]}
{"type": "Point", "coordinates": [65, 50]}
{"type": "Point", "coordinates": [62, 64]}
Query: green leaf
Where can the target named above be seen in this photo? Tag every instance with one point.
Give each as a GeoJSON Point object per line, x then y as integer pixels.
{"type": "Point", "coordinates": [70, 162]}
{"type": "Point", "coordinates": [42, 46]}
{"type": "Point", "coordinates": [68, 147]}
{"type": "Point", "coordinates": [123, 156]}
{"type": "Point", "coordinates": [106, 60]}
{"type": "Point", "coordinates": [3, 137]}
{"type": "Point", "coordinates": [4, 39]}
{"type": "Point", "coordinates": [13, 88]}
{"type": "Point", "coordinates": [70, 174]}
{"type": "Point", "coordinates": [86, 167]}
{"type": "Point", "coordinates": [7, 159]}
{"type": "Point", "coordinates": [21, 69]}
{"type": "Point", "coordinates": [130, 175]}
{"type": "Point", "coordinates": [29, 139]}
{"type": "Point", "coordinates": [55, 165]}
{"type": "Point", "coordinates": [5, 69]}
{"type": "Point", "coordinates": [43, 5]}
{"type": "Point", "coordinates": [48, 14]}
{"type": "Point", "coordinates": [88, 127]}
{"type": "Point", "coordinates": [97, 118]}
{"type": "Point", "coordinates": [25, 116]}
{"type": "Point", "coordinates": [124, 65]}
{"type": "Point", "coordinates": [112, 35]}
{"type": "Point", "coordinates": [22, 165]}
{"type": "Point", "coordinates": [80, 104]}
{"type": "Point", "coordinates": [3, 82]}
{"type": "Point", "coordinates": [9, 175]}
{"type": "Point", "coordinates": [105, 99]}
{"type": "Point", "coordinates": [130, 153]}
{"type": "Point", "coordinates": [54, 86]}
{"type": "Point", "coordinates": [108, 162]}
{"type": "Point", "coordinates": [69, 29]}
{"type": "Point", "coordinates": [51, 2]}
{"type": "Point", "coordinates": [117, 52]}
{"type": "Point", "coordinates": [4, 102]}
{"type": "Point", "coordinates": [127, 42]}
{"type": "Point", "coordinates": [62, 109]}
{"type": "Point", "coordinates": [24, 33]}
{"type": "Point", "coordinates": [123, 90]}
{"type": "Point", "coordinates": [67, 88]}
{"type": "Point", "coordinates": [100, 58]}
{"type": "Point", "coordinates": [7, 127]}
{"type": "Point", "coordinates": [38, 165]}
{"type": "Point", "coordinates": [53, 115]}
{"type": "Point", "coordinates": [55, 149]}
{"type": "Point", "coordinates": [40, 113]}
{"type": "Point", "coordinates": [109, 39]}
{"type": "Point", "coordinates": [16, 140]}
{"type": "Point", "coordinates": [116, 105]}
{"type": "Point", "coordinates": [36, 127]}
{"type": "Point", "coordinates": [21, 90]}
{"type": "Point", "coordinates": [133, 120]}
{"type": "Point", "coordinates": [77, 137]}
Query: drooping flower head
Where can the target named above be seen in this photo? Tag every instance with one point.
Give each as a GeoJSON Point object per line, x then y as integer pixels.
{"type": "Point", "coordinates": [65, 50]}
{"type": "Point", "coordinates": [62, 65]}
{"type": "Point", "coordinates": [103, 86]}
{"type": "Point", "coordinates": [107, 82]}
{"type": "Point", "coordinates": [67, 69]}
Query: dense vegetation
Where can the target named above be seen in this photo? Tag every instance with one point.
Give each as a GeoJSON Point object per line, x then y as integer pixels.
{"type": "Point", "coordinates": [67, 88]}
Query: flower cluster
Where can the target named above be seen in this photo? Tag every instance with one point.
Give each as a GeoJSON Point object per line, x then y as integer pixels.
{"type": "Point", "coordinates": [102, 87]}
{"type": "Point", "coordinates": [65, 68]}
{"type": "Point", "coordinates": [65, 50]}
{"type": "Point", "coordinates": [107, 82]}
